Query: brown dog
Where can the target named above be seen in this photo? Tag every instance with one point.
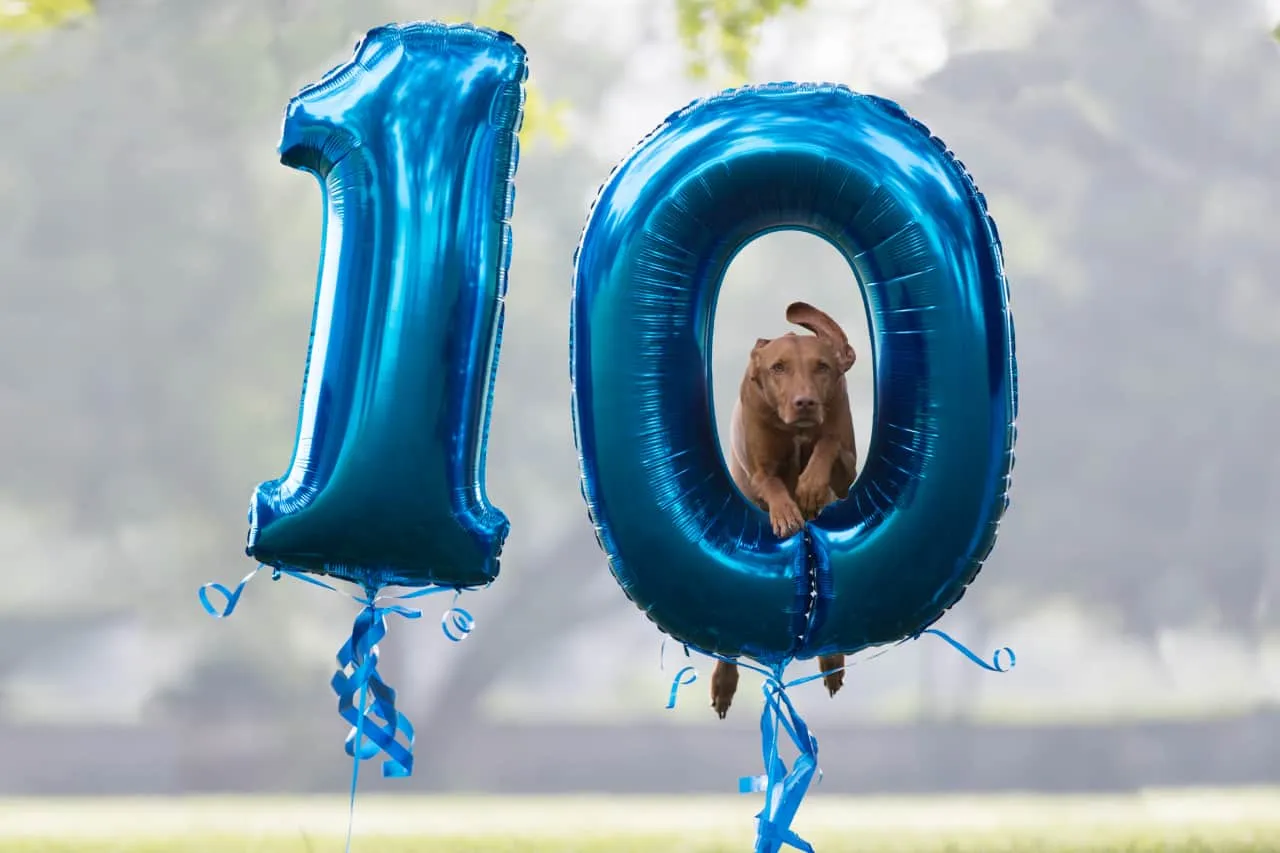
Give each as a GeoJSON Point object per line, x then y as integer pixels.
{"type": "Point", "coordinates": [792, 442]}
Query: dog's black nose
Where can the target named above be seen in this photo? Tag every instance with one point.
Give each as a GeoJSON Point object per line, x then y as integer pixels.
{"type": "Point", "coordinates": [805, 404]}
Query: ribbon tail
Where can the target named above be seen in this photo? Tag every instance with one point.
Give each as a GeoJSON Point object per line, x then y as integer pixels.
{"type": "Point", "coordinates": [775, 824]}
{"type": "Point", "coordinates": [687, 675]}
{"type": "Point", "coordinates": [364, 699]}
{"type": "Point", "coordinates": [785, 789]}
{"type": "Point", "coordinates": [230, 597]}
{"type": "Point", "coordinates": [376, 726]}
{"type": "Point", "coordinates": [355, 764]}
{"type": "Point", "coordinates": [993, 666]}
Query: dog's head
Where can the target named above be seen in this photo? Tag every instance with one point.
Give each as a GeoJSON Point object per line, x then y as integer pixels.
{"type": "Point", "coordinates": [800, 375]}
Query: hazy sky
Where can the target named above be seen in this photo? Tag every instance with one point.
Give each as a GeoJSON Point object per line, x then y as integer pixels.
{"type": "Point", "coordinates": [869, 45]}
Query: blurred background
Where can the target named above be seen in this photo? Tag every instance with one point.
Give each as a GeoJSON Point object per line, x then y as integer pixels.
{"type": "Point", "coordinates": [157, 273]}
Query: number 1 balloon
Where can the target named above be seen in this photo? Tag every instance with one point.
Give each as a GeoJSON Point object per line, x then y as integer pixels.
{"type": "Point", "coordinates": [414, 145]}
{"type": "Point", "coordinates": [414, 142]}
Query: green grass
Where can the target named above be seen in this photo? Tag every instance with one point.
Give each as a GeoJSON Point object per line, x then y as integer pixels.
{"type": "Point", "coordinates": [641, 844]}
{"type": "Point", "coordinates": [1168, 821]}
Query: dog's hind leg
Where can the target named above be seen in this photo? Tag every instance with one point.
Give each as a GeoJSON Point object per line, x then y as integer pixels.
{"type": "Point", "coordinates": [724, 683]}
{"type": "Point", "coordinates": [834, 680]}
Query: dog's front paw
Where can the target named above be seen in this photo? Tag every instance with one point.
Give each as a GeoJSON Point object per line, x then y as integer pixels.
{"type": "Point", "coordinates": [785, 517]}
{"type": "Point", "coordinates": [813, 492]}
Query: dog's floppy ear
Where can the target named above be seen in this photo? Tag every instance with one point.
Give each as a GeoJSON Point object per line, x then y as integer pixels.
{"type": "Point", "coordinates": [805, 315]}
{"type": "Point", "coordinates": [754, 371]}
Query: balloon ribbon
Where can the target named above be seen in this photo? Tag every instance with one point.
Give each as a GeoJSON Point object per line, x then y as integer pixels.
{"type": "Point", "coordinates": [785, 788]}
{"type": "Point", "coordinates": [364, 699]}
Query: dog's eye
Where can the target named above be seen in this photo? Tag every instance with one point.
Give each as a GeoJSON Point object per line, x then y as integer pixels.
{"type": "Point", "coordinates": [778, 367]}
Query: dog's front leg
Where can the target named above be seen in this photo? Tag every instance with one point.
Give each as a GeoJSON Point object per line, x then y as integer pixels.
{"type": "Point", "coordinates": [784, 514]}
{"type": "Point", "coordinates": [724, 683]}
{"type": "Point", "coordinates": [813, 489]}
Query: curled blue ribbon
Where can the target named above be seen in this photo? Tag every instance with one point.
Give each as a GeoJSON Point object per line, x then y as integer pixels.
{"type": "Point", "coordinates": [232, 596]}
{"type": "Point", "coordinates": [994, 666]}
{"type": "Point", "coordinates": [376, 723]}
{"type": "Point", "coordinates": [376, 718]}
{"type": "Point", "coordinates": [457, 623]}
{"type": "Point", "coordinates": [364, 699]}
{"type": "Point", "coordinates": [784, 788]}
{"type": "Point", "coordinates": [680, 681]}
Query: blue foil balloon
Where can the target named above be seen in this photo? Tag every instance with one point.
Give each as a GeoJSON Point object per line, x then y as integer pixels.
{"type": "Point", "coordinates": [683, 543]}
{"type": "Point", "coordinates": [414, 144]}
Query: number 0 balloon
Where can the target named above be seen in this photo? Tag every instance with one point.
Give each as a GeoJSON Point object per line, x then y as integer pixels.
{"type": "Point", "coordinates": [683, 543]}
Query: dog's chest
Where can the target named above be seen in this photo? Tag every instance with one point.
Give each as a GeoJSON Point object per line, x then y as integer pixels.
{"type": "Point", "coordinates": [802, 449]}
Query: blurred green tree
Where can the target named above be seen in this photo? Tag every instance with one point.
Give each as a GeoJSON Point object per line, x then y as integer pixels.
{"type": "Point", "coordinates": [720, 35]}
{"type": "Point", "coordinates": [30, 16]}
{"type": "Point", "coordinates": [543, 117]}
